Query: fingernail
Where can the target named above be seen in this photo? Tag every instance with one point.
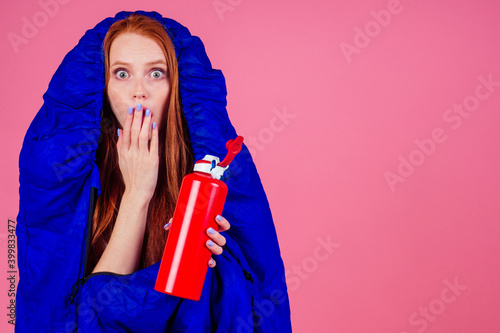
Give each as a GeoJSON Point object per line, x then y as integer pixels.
{"type": "Point", "coordinates": [166, 225]}
{"type": "Point", "coordinates": [148, 112]}
{"type": "Point", "coordinates": [211, 261]}
{"type": "Point", "coordinates": [154, 125]}
{"type": "Point", "coordinates": [210, 243]}
{"type": "Point", "coordinates": [118, 130]}
{"type": "Point", "coordinates": [139, 106]}
{"type": "Point", "coordinates": [130, 110]}
{"type": "Point", "coordinates": [211, 230]}
{"type": "Point", "coordinates": [218, 218]}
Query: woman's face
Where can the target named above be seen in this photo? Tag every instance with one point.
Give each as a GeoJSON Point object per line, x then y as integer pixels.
{"type": "Point", "coordinates": [137, 74]}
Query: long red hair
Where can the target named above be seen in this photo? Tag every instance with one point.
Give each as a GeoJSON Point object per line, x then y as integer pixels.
{"type": "Point", "coordinates": [175, 154]}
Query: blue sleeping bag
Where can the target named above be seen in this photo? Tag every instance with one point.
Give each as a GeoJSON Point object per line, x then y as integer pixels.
{"type": "Point", "coordinates": [59, 184]}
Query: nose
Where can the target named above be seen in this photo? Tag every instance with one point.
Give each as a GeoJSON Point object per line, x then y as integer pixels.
{"type": "Point", "coordinates": [139, 95]}
{"type": "Point", "coordinates": [139, 91]}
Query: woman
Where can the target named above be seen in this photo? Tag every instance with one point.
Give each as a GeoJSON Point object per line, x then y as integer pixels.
{"type": "Point", "coordinates": [141, 72]}
{"type": "Point", "coordinates": [89, 194]}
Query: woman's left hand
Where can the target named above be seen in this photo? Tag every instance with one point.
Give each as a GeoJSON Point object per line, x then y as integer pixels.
{"type": "Point", "coordinates": [217, 241]}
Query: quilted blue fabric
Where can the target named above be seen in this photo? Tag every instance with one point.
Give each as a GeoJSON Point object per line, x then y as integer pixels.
{"type": "Point", "coordinates": [59, 182]}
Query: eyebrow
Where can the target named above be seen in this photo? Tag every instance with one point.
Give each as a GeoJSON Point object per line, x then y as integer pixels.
{"type": "Point", "coordinates": [155, 62]}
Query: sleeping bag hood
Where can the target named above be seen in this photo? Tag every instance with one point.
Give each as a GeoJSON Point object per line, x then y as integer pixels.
{"type": "Point", "coordinates": [59, 184]}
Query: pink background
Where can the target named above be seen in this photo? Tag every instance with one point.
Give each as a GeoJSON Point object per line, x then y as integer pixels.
{"type": "Point", "coordinates": [395, 250]}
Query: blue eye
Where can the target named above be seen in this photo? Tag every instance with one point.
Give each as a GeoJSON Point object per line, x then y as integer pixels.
{"type": "Point", "coordinates": [121, 74]}
{"type": "Point", "coordinates": [157, 74]}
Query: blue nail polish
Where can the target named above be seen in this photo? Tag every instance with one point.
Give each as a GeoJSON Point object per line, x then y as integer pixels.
{"type": "Point", "coordinates": [218, 218]}
{"type": "Point", "coordinates": [166, 225]}
{"type": "Point", "coordinates": [211, 230]}
{"type": "Point", "coordinates": [139, 106]}
{"type": "Point", "coordinates": [118, 131]}
{"type": "Point", "coordinates": [148, 112]}
{"type": "Point", "coordinates": [210, 243]}
{"type": "Point", "coordinates": [154, 125]}
{"type": "Point", "coordinates": [130, 110]}
{"type": "Point", "coordinates": [211, 261]}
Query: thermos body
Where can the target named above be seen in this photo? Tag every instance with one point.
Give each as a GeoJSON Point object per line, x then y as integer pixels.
{"type": "Point", "coordinates": [202, 194]}
{"type": "Point", "coordinates": [185, 259]}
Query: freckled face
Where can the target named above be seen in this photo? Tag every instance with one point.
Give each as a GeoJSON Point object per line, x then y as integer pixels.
{"type": "Point", "coordinates": [137, 74]}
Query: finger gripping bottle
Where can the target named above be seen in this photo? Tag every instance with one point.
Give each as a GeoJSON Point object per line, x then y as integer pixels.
{"type": "Point", "coordinates": [184, 264]}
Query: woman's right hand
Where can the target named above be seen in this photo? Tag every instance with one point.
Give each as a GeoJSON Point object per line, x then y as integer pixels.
{"type": "Point", "coordinates": [137, 160]}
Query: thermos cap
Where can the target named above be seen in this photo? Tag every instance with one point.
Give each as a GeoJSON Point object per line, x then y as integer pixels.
{"type": "Point", "coordinates": [209, 165]}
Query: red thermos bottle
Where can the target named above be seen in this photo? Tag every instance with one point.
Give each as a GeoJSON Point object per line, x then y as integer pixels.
{"type": "Point", "coordinates": [184, 264]}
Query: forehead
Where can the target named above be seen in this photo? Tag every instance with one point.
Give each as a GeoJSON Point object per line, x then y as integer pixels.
{"type": "Point", "coordinates": [134, 49]}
